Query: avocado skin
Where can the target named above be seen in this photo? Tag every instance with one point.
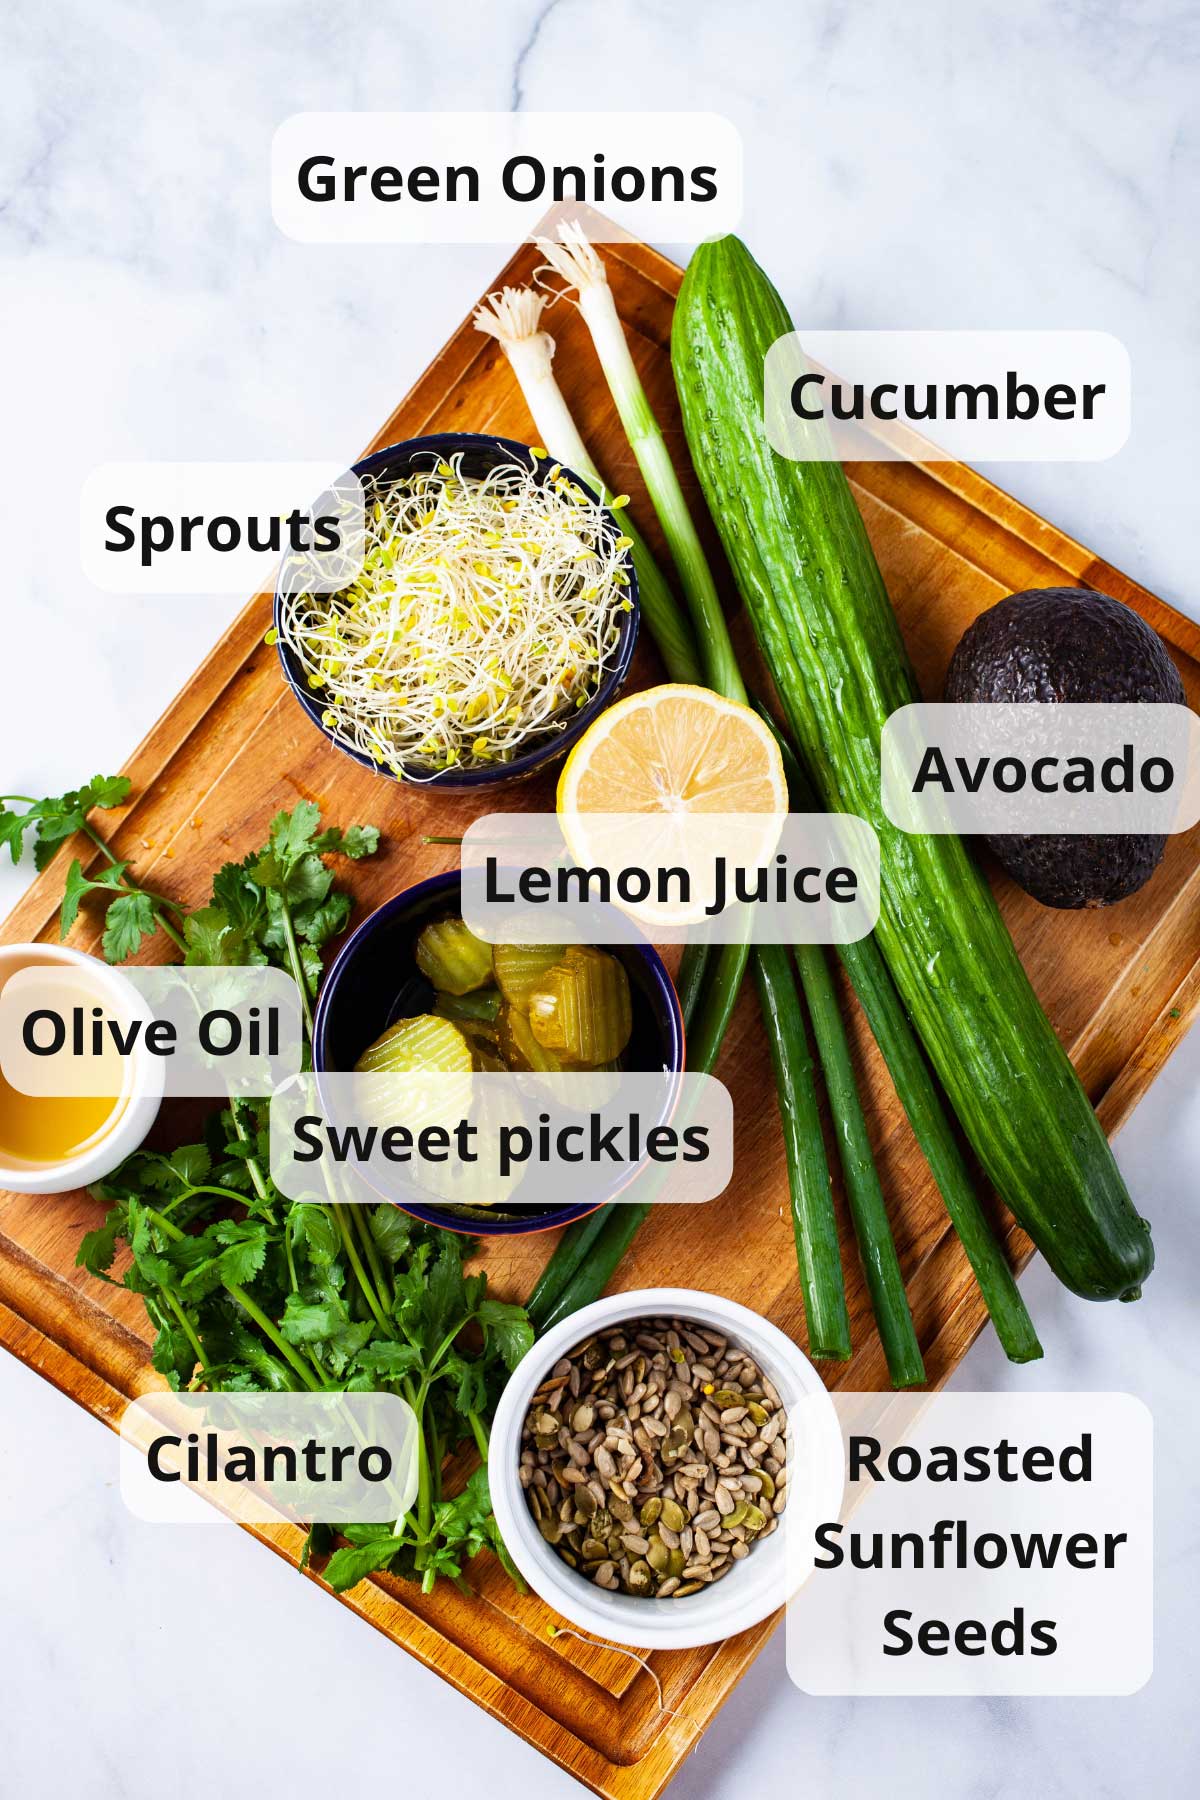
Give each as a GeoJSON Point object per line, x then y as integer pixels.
{"type": "Point", "coordinates": [1067, 644]}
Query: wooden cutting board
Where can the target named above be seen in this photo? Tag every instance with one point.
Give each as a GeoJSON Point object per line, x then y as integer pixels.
{"type": "Point", "coordinates": [1121, 988]}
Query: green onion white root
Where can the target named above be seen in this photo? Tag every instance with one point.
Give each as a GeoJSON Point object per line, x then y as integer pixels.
{"type": "Point", "coordinates": [513, 317]}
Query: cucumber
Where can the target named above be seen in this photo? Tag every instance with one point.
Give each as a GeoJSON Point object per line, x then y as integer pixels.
{"type": "Point", "coordinates": [812, 588]}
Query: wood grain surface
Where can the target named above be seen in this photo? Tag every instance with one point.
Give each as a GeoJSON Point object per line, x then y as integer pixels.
{"type": "Point", "coordinates": [1121, 988]}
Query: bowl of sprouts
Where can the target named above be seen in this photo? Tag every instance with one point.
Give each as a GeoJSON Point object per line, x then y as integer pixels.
{"type": "Point", "coordinates": [493, 617]}
{"type": "Point", "coordinates": [415, 992]}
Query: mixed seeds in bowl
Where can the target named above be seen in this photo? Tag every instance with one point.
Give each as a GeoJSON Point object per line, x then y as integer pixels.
{"type": "Point", "coordinates": [653, 1456]}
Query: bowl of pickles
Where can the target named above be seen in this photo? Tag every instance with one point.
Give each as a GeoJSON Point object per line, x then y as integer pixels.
{"type": "Point", "coordinates": [414, 990]}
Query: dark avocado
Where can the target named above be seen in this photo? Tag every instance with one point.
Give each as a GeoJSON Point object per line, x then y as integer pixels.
{"type": "Point", "coordinates": [1067, 644]}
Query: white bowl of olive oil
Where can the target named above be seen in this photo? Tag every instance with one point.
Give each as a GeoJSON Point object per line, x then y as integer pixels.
{"type": "Point", "coordinates": [50, 1144]}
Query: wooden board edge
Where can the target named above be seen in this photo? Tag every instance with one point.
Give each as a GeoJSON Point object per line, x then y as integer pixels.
{"type": "Point", "coordinates": [99, 1389]}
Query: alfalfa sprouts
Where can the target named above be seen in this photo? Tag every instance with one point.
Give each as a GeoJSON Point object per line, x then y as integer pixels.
{"type": "Point", "coordinates": [484, 617]}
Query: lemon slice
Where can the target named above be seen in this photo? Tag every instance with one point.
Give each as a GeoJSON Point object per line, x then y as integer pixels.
{"type": "Point", "coordinates": [671, 778]}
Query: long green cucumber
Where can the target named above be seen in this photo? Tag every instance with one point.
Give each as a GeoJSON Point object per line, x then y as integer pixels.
{"type": "Point", "coordinates": [806, 572]}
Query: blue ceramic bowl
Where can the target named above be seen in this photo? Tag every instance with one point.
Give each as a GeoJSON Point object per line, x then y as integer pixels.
{"type": "Point", "coordinates": [375, 982]}
{"type": "Point", "coordinates": [480, 455]}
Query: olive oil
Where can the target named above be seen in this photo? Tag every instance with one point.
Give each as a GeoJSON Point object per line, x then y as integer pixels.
{"type": "Point", "coordinates": [37, 1131]}
{"type": "Point", "coordinates": [40, 1131]}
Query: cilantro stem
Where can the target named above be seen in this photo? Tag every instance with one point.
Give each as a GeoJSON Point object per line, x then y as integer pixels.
{"type": "Point", "coordinates": [268, 1328]}
{"type": "Point", "coordinates": [293, 952]}
{"type": "Point", "coordinates": [424, 1494]}
{"type": "Point", "coordinates": [382, 1285]}
{"type": "Point", "coordinates": [186, 1323]}
{"type": "Point", "coordinates": [479, 1432]}
{"type": "Point", "coordinates": [252, 1162]}
{"type": "Point", "coordinates": [157, 901]}
{"type": "Point", "coordinates": [369, 1294]}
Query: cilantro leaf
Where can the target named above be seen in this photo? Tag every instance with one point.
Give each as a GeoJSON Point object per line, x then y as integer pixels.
{"type": "Point", "coordinates": [105, 792]}
{"type": "Point", "coordinates": [311, 1229]}
{"type": "Point", "coordinates": [388, 1359]}
{"type": "Point", "coordinates": [129, 920]}
{"type": "Point", "coordinates": [97, 1252]}
{"type": "Point", "coordinates": [76, 887]}
{"type": "Point", "coordinates": [13, 826]}
{"type": "Point", "coordinates": [312, 1322]}
{"type": "Point", "coordinates": [191, 1163]}
{"type": "Point", "coordinates": [78, 884]}
{"type": "Point", "coordinates": [214, 941]}
{"type": "Point", "coordinates": [241, 1251]}
{"type": "Point", "coordinates": [358, 841]}
{"type": "Point", "coordinates": [507, 1328]}
{"type": "Point", "coordinates": [292, 833]}
{"type": "Point", "coordinates": [318, 924]}
{"type": "Point", "coordinates": [347, 1567]}
{"type": "Point", "coordinates": [392, 1231]}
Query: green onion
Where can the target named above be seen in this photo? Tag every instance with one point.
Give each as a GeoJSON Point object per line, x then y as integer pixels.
{"type": "Point", "coordinates": [577, 262]}
{"type": "Point", "coordinates": [718, 977]}
{"type": "Point", "coordinates": [578, 1241]}
{"type": "Point", "coordinates": [918, 1094]}
{"type": "Point", "coordinates": [881, 1265]}
{"type": "Point", "coordinates": [513, 318]}
{"type": "Point", "coordinates": [913, 1081]}
{"type": "Point", "coordinates": [573, 1249]}
{"type": "Point", "coordinates": [814, 1220]}
{"type": "Point", "coordinates": [689, 982]}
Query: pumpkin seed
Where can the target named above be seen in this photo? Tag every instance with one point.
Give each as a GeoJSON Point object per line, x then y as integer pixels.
{"type": "Point", "coordinates": [658, 1556]}
{"type": "Point", "coordinates": [673, 1515]}
{"type": "Point", "coordinates": [641, 1577]}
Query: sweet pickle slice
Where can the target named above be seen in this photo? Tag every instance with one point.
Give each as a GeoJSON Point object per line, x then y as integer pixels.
{"type": "Point", "coordinates": [420, 1074]}
{"type": "Point", "coordinates": [415, 1046]}
{"type": "Point", "coordinates": [582, 1010]}
{"type": "Point", "coordinates": [520, 1049]}
{"type": "Point", "coordinates": [520, 968]}
{"type": "Point", "coordinates": [453, 958]}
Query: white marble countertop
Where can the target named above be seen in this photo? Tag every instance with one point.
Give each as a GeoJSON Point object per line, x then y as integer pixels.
{"type": "Point", "coordinates": [939, 165]}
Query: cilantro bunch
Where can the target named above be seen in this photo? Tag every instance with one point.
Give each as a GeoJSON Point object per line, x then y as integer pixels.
{"type": "Point", "coordinates": [248, 1290]}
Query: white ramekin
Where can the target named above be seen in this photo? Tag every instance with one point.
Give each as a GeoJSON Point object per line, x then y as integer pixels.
{"type": "Point", "coordinates": [142, 1093]}
{"type": "Point", "coordinates": [759, 1584]}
